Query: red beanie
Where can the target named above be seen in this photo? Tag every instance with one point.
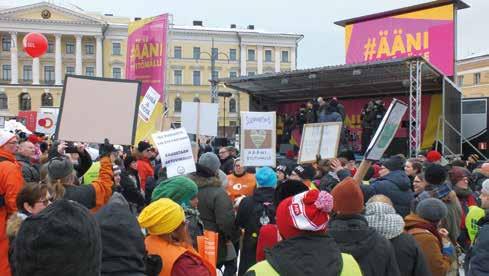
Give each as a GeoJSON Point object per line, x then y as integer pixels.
{"type": "Point", "coordinates": [348, 197]}
{"type": "Point", "coordinates": [433, 156]}
{"type": "Point", "coordinates": [34, 139]}
{"type": "Point", "coordinates": [304, 212]}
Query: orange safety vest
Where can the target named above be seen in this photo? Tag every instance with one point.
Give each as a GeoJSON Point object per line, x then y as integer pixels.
{"type": "Point", "coordinates": [241, 186]}
{"type": "Point", "coordinates": [170, 253]}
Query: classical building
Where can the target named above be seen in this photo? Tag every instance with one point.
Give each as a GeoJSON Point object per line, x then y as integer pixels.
{"type": "Point", "coordinates": [473, 75]}
{"type": "Point", "coordinates": [94, 44]}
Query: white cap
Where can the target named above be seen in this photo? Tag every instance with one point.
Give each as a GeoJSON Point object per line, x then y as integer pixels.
{"type": "Point", "coordinates": [5, 136]}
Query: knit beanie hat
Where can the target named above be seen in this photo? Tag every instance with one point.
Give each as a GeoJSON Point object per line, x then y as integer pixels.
{"type": "Point", "coordinates": [433, 156]}
{"type": "Point", "coordinates": [395, 163]}
{"type": "Point", "coordinates": [281, 168]}
{"type": "Point", "coordinates": [210, 161]}
{"type": "Point", "coordinates": [161, 217]}
{"type": "Point", "coordinates": [127, 162]}
{"type": "Point", "coordinates": [180, 189]}
{"type": "Point", "coordinates": [304, 171]}
{"type": "Point", "coordinates": [348, 197]}
{"type": "Point", "coordinates": [458, 173]}
{"type": "Point", "coordinates": [288, 188]}
{"type": "Point", "coordinates": [304, 212]}
{"type": "Point", "coordinates": [59, 167]}
{"type": "Point", "coordinates": [266, 177]}
{"type": "Point", "coordinates": [62, 239]}
{"type": "Point", "coordinates": [5, 137]}
{"type": "Point", "coordinates": [435, 174]}
{"type": "Point", "coordinates": [143, 145]}
{"type": "Point", "coordinates": [384, 219]}
{"type": "Point", "coordinates": [432, 209]}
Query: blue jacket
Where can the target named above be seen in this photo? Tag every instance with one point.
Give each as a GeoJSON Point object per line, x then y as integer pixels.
{"type": "Point", "coordinates": [396, 186]}
{"type": "Point", "coordinates": [478, 256]}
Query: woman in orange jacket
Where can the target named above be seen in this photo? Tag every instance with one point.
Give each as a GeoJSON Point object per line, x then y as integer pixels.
{"type": "Point", "coordinates": [168, 238]}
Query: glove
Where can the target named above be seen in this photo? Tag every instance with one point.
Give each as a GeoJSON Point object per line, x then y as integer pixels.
{"type": "Point", "coordinates": [106, 148]}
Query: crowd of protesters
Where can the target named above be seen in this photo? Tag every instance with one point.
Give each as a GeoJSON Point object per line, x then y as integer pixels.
{"type": "Point", "coordinates": [67, 210]}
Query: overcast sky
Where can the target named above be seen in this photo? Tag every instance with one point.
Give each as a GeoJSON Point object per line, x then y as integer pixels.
{"type": "Point", "coordinates": [323, 42]}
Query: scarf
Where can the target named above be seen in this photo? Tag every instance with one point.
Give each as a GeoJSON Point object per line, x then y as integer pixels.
{"type": "Point", "coordinates": [462, 193]}
{"type": "Point", "coordinates": [430, 227]}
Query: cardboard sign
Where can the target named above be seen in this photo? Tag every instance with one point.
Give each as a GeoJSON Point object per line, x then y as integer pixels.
{"type": "Point", "coordinates": [148, 104]}
{"type": "Point", "coordinates": [93, 109]}
{"type": "Point", "coordinates": [258, 138]}
{"type": "Point", "coordinates": [321, 138]}
{"type": "Point", "coordinates": [200, 118]}
{"type": "Point", "coordinates": [46, 120]}
{"type": "Point", "coordinates": [175, 151]}
{"type": "Point", "coordinates": [386, 131]}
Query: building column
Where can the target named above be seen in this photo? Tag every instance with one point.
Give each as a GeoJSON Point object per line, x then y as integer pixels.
{"type": "Point", "coordinates": [98, 57]}
{"type": "Point", "coordinates": [35, 71]}
{"type": "Point", "coordinates": [78, 57]}
{"type": "Point", "coordinates": [14, 61]}
{"type": "Point", "coordinates": [57, 62]}
{"type": "Point", "coordinates": [243, 60]}
{"type": "Point", "coordinates": [277, 59]}
{"type": "Point", "coordinates": [292, 59]}
{"type": "Point", "coordinates": [260, 59]}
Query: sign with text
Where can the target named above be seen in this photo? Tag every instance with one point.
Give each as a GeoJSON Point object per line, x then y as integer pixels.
{"type": "Point", "coordinates": [175, 151]}
{"type": "Point", "coordinates": [428, 32]}
{"type": "Point", "coordinates": [148, 104]}
{"type": "Point", "coordinates": [322, 139]}
{"type": "Point", "coordinates": [258, 138]}
{"type": "Point", "coordinates": [200, 118]}
{"type": "Point", "coordinates": [386, 131]}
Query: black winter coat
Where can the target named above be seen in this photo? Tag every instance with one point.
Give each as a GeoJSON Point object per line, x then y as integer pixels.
{"type": "Point", "coordinates": [328, 181]}
{"type": "Point", "coordinates": [477, 261]}
{"type": "Point", "coordinates": [373, 252]}
{"type": "Point", "coordinates": [409, 256]}
{"type": "Point", "coordinates": [227, 165]}
{"type": "Point", "coordinates": [248, 217]}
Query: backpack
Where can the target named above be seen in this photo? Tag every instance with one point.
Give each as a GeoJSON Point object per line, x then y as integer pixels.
{"type": "Point", "coordinates": [263, 214]}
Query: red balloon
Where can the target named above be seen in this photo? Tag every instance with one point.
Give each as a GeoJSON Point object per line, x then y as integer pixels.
{"type": "Point", "coordinates": [35, 44]}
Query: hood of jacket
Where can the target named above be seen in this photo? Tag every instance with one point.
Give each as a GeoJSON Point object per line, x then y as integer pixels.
{"type": "Point", "coordinates": [7, 155]}
{"type": "Point", "coordinates": [264, 194]}
{"type": "Point", "coordinates": [306, 255]}
{"type": "Point", "coordinates": [205, 181]}
{"type": "Point", "coordinates": [412, 219]}
{"type": "Point", "coordinates": [399, 178]}
{"type": "Point", "coordinates": [22, 158]}
{"type": "Point", "coordinates": [353, 235]}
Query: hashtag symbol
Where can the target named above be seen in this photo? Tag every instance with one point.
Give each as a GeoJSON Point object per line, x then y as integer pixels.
{"type": "Point", "coordinates": [370, 49]}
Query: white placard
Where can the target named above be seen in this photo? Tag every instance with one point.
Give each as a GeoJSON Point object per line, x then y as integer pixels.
{"type": "Point", "coordinates": [200, 118]}
{"type": "Point", "coordinates": [386, 131]}
{"type": "Point", "coordinates": [258, 138]}
{"type": "Point", "coordinates": [148, 104]}
{"type": "Point", "coordinates": [320, 138]}
{"type": "Point", "coordinates": [46, 122]}
{"type": "Point", "coordinates": [175, 151]}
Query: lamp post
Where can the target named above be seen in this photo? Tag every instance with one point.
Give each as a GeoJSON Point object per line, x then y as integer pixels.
{"type": "Point", "coordinates": [224, 95]}
{"type": "Point", "coordinates": [214, 55]}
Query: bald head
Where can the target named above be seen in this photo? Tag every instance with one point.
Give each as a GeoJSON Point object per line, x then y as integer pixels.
{"type": "Point", "coordinates": [27, 149]}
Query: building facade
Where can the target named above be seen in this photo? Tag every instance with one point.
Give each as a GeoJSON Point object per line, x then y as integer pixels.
{"type": "Point", "coordinates": [473, 75]}
{"type": "Point", "coordinates": [93, 44]}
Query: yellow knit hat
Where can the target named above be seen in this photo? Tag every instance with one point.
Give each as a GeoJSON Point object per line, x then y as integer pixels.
{"type": "Point", "coordinates": [161, 217]}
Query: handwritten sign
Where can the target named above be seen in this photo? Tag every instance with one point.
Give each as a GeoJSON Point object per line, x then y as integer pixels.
{"type": "Point", "coordinates": [322, 138]}
{"type": "Point", "coordinates": [175, 151]}
{"type": "Point", "coordinates": [258, 138]}
{"type": "Point", "coordinates": [148, 104]}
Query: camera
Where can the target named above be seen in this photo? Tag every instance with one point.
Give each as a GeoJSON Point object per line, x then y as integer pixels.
{"type": "Point", "coordinates": [71, 148]}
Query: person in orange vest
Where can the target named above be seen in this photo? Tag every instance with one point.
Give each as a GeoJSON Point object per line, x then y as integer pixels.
{"type": "Point", "coordinates": [11, 182]}
{"type": "Point", "coordinates": [240, 182]}
{"type": "Point", "coordinates": [168, 238]}
{"type": "Point", "coordinates": [144, 167]}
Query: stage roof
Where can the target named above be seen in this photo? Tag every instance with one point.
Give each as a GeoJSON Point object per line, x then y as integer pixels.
{"type": "Point", "coordinates": [384, 78]}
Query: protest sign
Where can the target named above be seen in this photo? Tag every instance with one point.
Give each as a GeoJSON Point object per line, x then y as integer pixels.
{"type": "Point", "coordinates": [46, 120]}
{"type": "Point", "coordinates": [386, 131]}
{"type": "Point", "coordinates": [148, 104]}
{"type": "Point", "coordinates": [322, 139]}
{"type": "Point", "coordinates": [93, 109]}
{"type": "Point", "coordinates": [175, 151]}
{"type": "Point", "coordinates": [200, 118]}
{"type": "Point", "coordinates": [258, 138]}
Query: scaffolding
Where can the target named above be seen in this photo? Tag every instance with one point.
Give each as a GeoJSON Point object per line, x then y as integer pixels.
{"type": "Point", "coordinates": [415, 82]}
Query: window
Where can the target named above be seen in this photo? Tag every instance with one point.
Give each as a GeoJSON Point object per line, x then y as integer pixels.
{"type": "Point", "coordinates": [177, 52]}
{"type": "Point", "coordinates": [50, 47]}
{"type": "Point", "coordinates": [70, 48]}
{"type": "Point", "coordinates": [196, 100]}
{"type": "Point", "coordinates": [196, 53]}
{"type": "Point", "coordinates": [47, 99]}
{"type": "Point", "coordinates": [27, 72]}
{"type": "Point", "coordinates": [232, 106]}
{"type": "Point", "coordinates": [116, 73]}
{"type": "Point", "coordinates": [251, 55]}
{"type": "Point", "coordinates": [196, 78]}
{"type": "Point", "coordinates": [177, 105]}
{"type": "Point", "coordinates": [215, 75]}
{"type": "Point", "coordinates": [233, 74]}
{"type": "Point", "coordinates": [90, 71]}
{"type": "Point", "coordinates": [460, 80]}
{"type": "Point", "coordinates": [477, 78]}
{"type": "Point", "coordinates": [285, 56]}
{"type": "Point", "coordinates": [251, 73]}
{"type": "Point", "coordinates": [116, 48]}
{"type": "Point", "coordinates": [49, 74]}
{"type": "Point", "coordinates": [6, 43]}
{"type": "Point", "coordinates": [268, 55]}
{"type": "Point", "coordinates": [177, 77]}
{"type": "Point", "coordinates": [24, 101]}
{"type": "Point", "coordinates": [232, 54]}
{"type": "Point", "coordinates": [6, 72]}
{"type": "Point", "coordinates": [3, 101]}
{"type": "Point", "coordinates": [89, 49]}
{"type": "Point", "coordinates": [215, 53]}
{"type": "Point", "coordinates": [70, 70]}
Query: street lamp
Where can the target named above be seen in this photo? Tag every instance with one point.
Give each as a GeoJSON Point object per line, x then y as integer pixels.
{"type": "Point", "coordinates": [224, 95]}
{"type": "Point", "coordinates": [214, 55]}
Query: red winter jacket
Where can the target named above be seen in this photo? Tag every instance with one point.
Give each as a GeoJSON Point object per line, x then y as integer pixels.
{"type": "Point", "coordinates": [267, 238]}
{"type": "Point", "coordinates": [145, 170]}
